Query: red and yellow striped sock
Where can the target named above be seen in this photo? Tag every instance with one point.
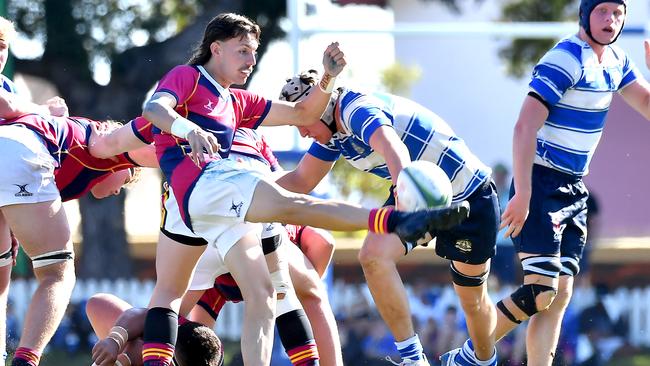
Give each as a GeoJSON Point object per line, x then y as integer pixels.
{"type": "Point", "coordinates": [26, 357]}
{"type": "Point", "coordinates": [305, 355]}
{"type": "Point", "coordinates": [378, 220]}
{"type": "Point", "coordinates": [157, 354]}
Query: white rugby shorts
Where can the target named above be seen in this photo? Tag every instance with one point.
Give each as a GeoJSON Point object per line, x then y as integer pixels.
{"type": "Point", "coordinates": [27, 167]}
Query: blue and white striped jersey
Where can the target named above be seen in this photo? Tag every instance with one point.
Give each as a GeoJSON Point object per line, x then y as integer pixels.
{"type": "Point", "coordinates": [7, 84]}
{"type": "Point", "coordinates": [426, 136]}
{"type": "Point", "coordinates": [579, 90]}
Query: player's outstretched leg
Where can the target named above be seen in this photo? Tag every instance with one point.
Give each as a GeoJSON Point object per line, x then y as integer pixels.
{"type": "Point", "coordinates": [411, 227]}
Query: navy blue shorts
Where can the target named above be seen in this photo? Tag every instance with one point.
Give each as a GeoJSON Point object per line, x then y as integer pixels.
{"type": "Point", "coordinates": [557, 218]}
{"type": "Point", "coordinates": [474, 240]}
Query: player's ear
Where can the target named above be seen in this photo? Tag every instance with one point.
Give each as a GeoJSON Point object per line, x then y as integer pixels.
{"type": "Point", "coordinates": [215, 47]}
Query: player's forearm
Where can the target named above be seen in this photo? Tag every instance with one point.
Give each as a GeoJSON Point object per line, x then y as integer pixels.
{"type": "Point", "coordinates": [312, 107]}
{"type": "Point", "coordinates": [12, 105]}
{"type": "Point", "coordinates": [133, 321]}
{"type": "Point", "coordinates": [523, 153]}
{"type": "Point", "coordinates": [292, 181]}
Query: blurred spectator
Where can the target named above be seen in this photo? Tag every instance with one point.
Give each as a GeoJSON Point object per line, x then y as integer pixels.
{"type": "Point", "coordinates": [599, 339]}
{"type": "Point", "coordinates": [378, 344]}
{"type": "Point", "coordinates": [450, 335]}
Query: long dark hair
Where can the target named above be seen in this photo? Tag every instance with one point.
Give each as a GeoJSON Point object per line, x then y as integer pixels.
{"type": "Point", "coordinates": [221, 28]}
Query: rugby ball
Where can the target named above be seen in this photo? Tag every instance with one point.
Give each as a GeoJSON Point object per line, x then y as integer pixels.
{"type": "Point", "coordinates": [421, 185]}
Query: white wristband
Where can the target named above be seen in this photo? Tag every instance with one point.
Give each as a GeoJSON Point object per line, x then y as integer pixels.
{"type": "Point", "coordinates": [326, 83]}
{"type": "Point", "coordinates": [182, 126]}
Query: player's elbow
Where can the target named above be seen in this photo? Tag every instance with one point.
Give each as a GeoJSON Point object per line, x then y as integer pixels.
{"type": "Point", "coordinates": [8, 108]}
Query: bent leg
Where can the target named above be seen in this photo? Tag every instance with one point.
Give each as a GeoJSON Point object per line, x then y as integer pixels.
{"type": "Point", "coordinates": [318, 247]}
{"type": "Point", "coordinates": [313, 297]}
{"type": "Point", "coordinates": [55, 274]}
{"type": "Point", "coordinates": [378, 256]}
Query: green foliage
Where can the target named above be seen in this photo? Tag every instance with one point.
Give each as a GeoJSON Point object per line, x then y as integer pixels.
{"type": "Point", "coordinates": [350, 180]}
{"type": "Point", "coordinates": [106, 27]}
{"type": "Point", "coordinates": [398, 78]}
{"type": "Point", "coordinates": [521, 54]}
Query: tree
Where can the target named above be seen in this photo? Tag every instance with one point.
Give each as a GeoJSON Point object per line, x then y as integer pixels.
{"type": "Point", "coordinates": [140, 41]}
{"type": "Point", "coordinates": [523, 53]}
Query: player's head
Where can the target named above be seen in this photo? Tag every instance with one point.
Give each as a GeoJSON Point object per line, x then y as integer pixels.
{"type": "Point", "coordinates": [114, 182]}
{"type": "Point", "coordinates": [7, 34]}
{"type": "Point", "coordinates": [298, 88]}
{"type": "Point", "coordinates": [231, 40]}
{"type": "Point", "coordinates": [602, 31]}
{"type": "Point", "coordinates": [197, 345]}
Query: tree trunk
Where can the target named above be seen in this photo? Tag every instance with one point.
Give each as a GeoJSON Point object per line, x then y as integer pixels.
{"type": "Point", "coordinates": [105, 250]}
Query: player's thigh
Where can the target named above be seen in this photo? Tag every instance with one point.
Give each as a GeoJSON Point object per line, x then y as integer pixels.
{"type": "Point", "coordinates": [40, 227]}
{"type": "Point", "coordinates": [246, 263]}
{"type": "Point", "coordinates": [5, 234]}
{"type": "Point", "coordinates": [473, 242]}
{"type": "Point", "coordinates": [304, 277]}
{"type": "Point", "coordinates": [175, 263]}
{"type": "Point", "coordinates": [271, 202]}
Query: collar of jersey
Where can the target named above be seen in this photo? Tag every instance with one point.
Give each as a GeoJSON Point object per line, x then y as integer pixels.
{"type": "Point", "coordinates": [223, 92]}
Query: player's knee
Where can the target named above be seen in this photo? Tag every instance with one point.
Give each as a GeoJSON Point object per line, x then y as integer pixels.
{"type": "Point", "coordinates": [55, 267]}
{"type": "Point", "coordinates": [570, 266]}
{"type": "Point", "coordinates": [563, 296]}
{"type": "Point", "coordinates": [63, 258]}
{"type": "Point", "coordinates": [461, 279]}
{"type": "Point", "coordinates": [374, 254]}
{"type": "Point", "coordinates": [286, 296]}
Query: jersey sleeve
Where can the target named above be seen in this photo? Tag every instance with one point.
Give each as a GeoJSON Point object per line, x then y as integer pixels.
{"type": "Point", "coordinates": [327, 152]}
{"type": "Point", "coordinates": [142, 129]}
{"type": "Point", "coordinates": [557, 71]}
{"type": "Point", "coordinates": [364, 116]}
{"type": "Point", "coordinates": [630, 72]}
{"type": "Point", "coordinates": [251, 108]}
{"type": "Point", "coordinates": [212, 301]}
{"type": "Point", "coordinates": [181, 82]}
{"type": "Point", "coordinates": [268, 154]}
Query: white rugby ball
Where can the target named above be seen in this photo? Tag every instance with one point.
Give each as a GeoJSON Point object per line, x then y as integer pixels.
{"type": "Point", "coordinates": [421, 185]}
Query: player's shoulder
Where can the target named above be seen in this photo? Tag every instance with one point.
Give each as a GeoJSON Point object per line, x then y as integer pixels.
{"type": "Point", "coordinates": [184, 70]}
{"type": "Point", "coordinates": [618, 52]}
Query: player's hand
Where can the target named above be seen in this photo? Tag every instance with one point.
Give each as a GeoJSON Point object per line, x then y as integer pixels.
{"type": "Point", "coordinates": [105, 352]}
{"type": "Point", "coordinates": [202, 142]}
{"type": "Point", "coordinates": [333, 59]}
{"type": "Point", "coordinates": [646, 45]}
{"type": "Point", "coordinates": [14, 248]}
{"type": "Point", "coordinates": [57, 107]}
{"type": "Point", "coordinates": [515, 214]}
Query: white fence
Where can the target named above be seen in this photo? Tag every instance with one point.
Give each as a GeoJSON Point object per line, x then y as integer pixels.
{"type": "Point", "coordinates": [633, 304]}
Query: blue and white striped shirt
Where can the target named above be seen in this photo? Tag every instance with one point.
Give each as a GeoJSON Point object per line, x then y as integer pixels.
{"type": "Point", "coordinates": [7, 84]}
{"type": "Point", "coordinates": [426, 136]}
{"type": "Point", "coordinates": [579, 90]}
